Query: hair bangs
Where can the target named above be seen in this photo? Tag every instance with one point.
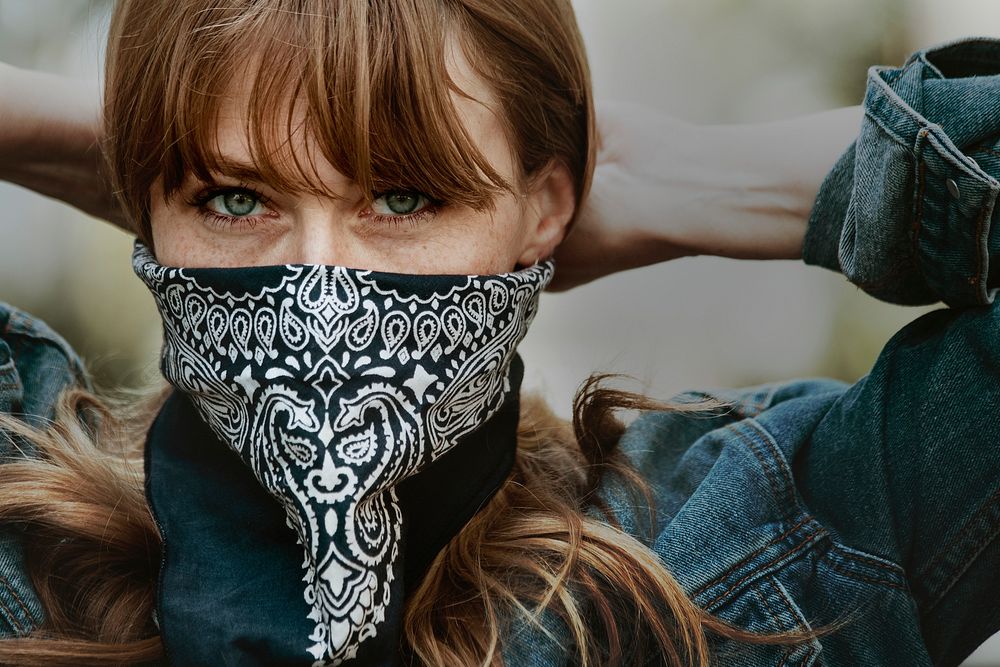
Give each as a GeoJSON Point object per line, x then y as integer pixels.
{"type": "Point", "coordinates": [368, 85]}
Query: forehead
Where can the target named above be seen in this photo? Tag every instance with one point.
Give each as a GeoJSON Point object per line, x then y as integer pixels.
{"type": "Point", "coordinates": [298, 147]}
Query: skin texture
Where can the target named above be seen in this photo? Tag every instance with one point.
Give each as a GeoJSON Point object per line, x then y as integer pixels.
{"type": "Point", "coordinates": [290, 227]}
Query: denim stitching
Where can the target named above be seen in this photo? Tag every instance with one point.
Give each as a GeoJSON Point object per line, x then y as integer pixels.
{"type": "Point", "coordinates": [701, 589]}
{"type": "Point", "coordinates": [12, 617]}
{"type": "Point", "coordinates": [954, 157]}
{"type": "Point", "coordinates": [762, 460]}
{"type": "Point", "coordinates": [874, 562]}
{"type": "Point", "coordinates": [865, 578]}
{"type": "Point", "coordinates": [807, 658]}
{"type": "Point", "coordinates": [788, 606]}
{"type": "Point", "coordinates": [979, 257]}
{"type": "Point", "coordinates": [767, 607]}
{"type": "Point", "coordinates": [918, 213]}
{"type": "Point", "coordinates": [784, 555]}
{"type": "Point", "coordinates": [759, 406]}
{"type": "Point", "coordinates": [778, 461]}
{"type": "Point", "coordinates": [885, 128]}
{"type": "Point", "coordinates": [969, 525]}
{"type": "Point", "coordinates": [973, 524]}
{"type": "Point", "coordinates": [17, 598]}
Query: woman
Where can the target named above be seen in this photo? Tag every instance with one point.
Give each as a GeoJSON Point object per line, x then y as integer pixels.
{"type": "Point", "coordinates": [274, 150]}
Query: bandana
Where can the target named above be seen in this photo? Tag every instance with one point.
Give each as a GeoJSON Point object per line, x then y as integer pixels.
{"type": "Point", "coordinates": [336, 388]}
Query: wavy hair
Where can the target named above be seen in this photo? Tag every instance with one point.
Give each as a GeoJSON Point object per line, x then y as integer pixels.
{"type": "Point", "coordinates": [93, 551]}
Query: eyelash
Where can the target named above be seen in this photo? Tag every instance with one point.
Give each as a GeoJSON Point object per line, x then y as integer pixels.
{"type": "Point", "coordinates": [201, 200]}
{"type": "Point", "coordinates": [432, 207]}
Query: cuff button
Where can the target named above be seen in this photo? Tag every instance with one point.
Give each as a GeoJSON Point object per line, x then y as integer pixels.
{"type": "Point", "coordinates": [953, 188]}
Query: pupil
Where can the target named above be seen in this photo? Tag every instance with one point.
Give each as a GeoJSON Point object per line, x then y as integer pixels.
{"type": "Point", "coordinates": [402, 202]}
{"type": "Point", "coordinates": [238, 203]}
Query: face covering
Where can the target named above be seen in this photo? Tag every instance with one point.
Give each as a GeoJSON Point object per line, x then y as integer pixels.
{"type": "Point", "coordinates": [339, 390]}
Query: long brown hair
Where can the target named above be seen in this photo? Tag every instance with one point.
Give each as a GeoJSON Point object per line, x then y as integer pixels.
{"type": "Point", "coordinates": [365, 72]}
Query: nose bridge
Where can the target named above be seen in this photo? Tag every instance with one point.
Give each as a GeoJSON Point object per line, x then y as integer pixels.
{"type": "Point", "coordinates": [323, 237]}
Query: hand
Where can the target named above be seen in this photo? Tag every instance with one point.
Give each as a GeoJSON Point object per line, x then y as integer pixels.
{"type": "Point", "coordinates": [50, 132]}
{"type": "Point", "coordinates": [635, 183]}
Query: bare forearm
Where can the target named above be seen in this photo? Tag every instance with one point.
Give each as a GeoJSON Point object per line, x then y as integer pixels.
{"type": "Point", "coordinates": [769, 175]}
{"type": "Point", "coordinates": [49, 133]}
{"type": "Point", "coordinates": [665, 188]}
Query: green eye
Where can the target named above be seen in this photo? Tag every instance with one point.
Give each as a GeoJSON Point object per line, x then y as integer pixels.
{"type": "Point", "coordinates": [239, 203]}
{"type": "Point", "coordinates": [400, 202]}
{"type": "Point", "coordinates": [235, 203]}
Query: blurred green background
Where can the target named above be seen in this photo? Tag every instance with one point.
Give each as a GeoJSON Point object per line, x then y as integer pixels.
{"type": "Point", "coordinates": [695, 322]}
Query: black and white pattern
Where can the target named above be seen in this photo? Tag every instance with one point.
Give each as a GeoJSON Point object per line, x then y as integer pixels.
{"type": "Point", "coordinates": [333, 384]}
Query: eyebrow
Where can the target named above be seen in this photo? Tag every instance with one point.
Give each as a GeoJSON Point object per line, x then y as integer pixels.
{"type": "Point", "coordinates": [227, 166]}
{"type": "Point", "coordinates": [224, 165]}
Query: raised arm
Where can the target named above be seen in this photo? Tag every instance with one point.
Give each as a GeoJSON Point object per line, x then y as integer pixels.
{"type": "Point", "coordinates": [666, 188]}
{"type": "Point", "coordinates": [49, 133]}
{"type": "Point", "coordinates": [897, 193]}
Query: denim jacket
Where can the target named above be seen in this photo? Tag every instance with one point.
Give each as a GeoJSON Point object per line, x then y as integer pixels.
{"type": "Point", "coordinates": [811, 501]}
{"type": "Point", "coordinates": [35, 365]}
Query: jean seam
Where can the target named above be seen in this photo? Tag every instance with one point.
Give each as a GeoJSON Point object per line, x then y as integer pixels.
{"type": "Point", "coordinates": [918, 214]}
{"type": "Point", "coordinates": [777, 624]}
{"type": "Point", "coordinates": [804, 623]}
{"type": "Point", "coordinates": [888, 567]}
{"type": "Point", "coordinates": [955, 547]}
{"type": "Point", "coordinates": [12, 617]}
{"type": "Point", "coordinates": [17, 598]}
{"type": "Point", "coordinates": [777, 461]}
{"type": "Point", "coordinates": [788, 606]}
{"type": "Point", "coordinates": [885, 128]}
{"type": "Point", "coordinates": [15, 621]}
{"type": "Point", "coordinates": [767, 607]}
{"type": "Point", "coordinates": [847, 572]}
{"type": "Point", "coordinates": [979, 256]}
{"type": "Point", "coordinates": [808, 541]}
{"type": "Point", "coordinates": [762, 460]}
{"type": "Point", "coordinates": [746, 559]}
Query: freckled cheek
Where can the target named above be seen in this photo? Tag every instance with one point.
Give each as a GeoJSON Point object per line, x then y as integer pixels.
{"type": "Point", "coordinates": [179, 241]}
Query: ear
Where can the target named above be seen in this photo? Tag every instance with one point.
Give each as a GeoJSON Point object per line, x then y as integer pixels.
{"type": "Point", "coordinates": [550, 206]}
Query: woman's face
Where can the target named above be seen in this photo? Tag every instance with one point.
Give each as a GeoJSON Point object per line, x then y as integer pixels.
{"type": "Point", "coordinates": [240, 220]}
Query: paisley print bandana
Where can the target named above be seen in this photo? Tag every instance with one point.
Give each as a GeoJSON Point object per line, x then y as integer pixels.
{"type": "Point", "coordinates": [333, 384]}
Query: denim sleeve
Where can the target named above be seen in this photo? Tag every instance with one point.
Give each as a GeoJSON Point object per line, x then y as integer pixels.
{"type": "Point", "coordinates": [907, 211]}
{"type": "Point", "coordinates": [906, 466]}
{"type": "Point", "coordinates": [36, 364]}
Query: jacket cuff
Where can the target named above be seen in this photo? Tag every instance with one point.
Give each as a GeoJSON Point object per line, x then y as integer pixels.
{"type": "Point", "coordinates": [826, 220]}
{"type": "Point", "coordinates": [906, 212]}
